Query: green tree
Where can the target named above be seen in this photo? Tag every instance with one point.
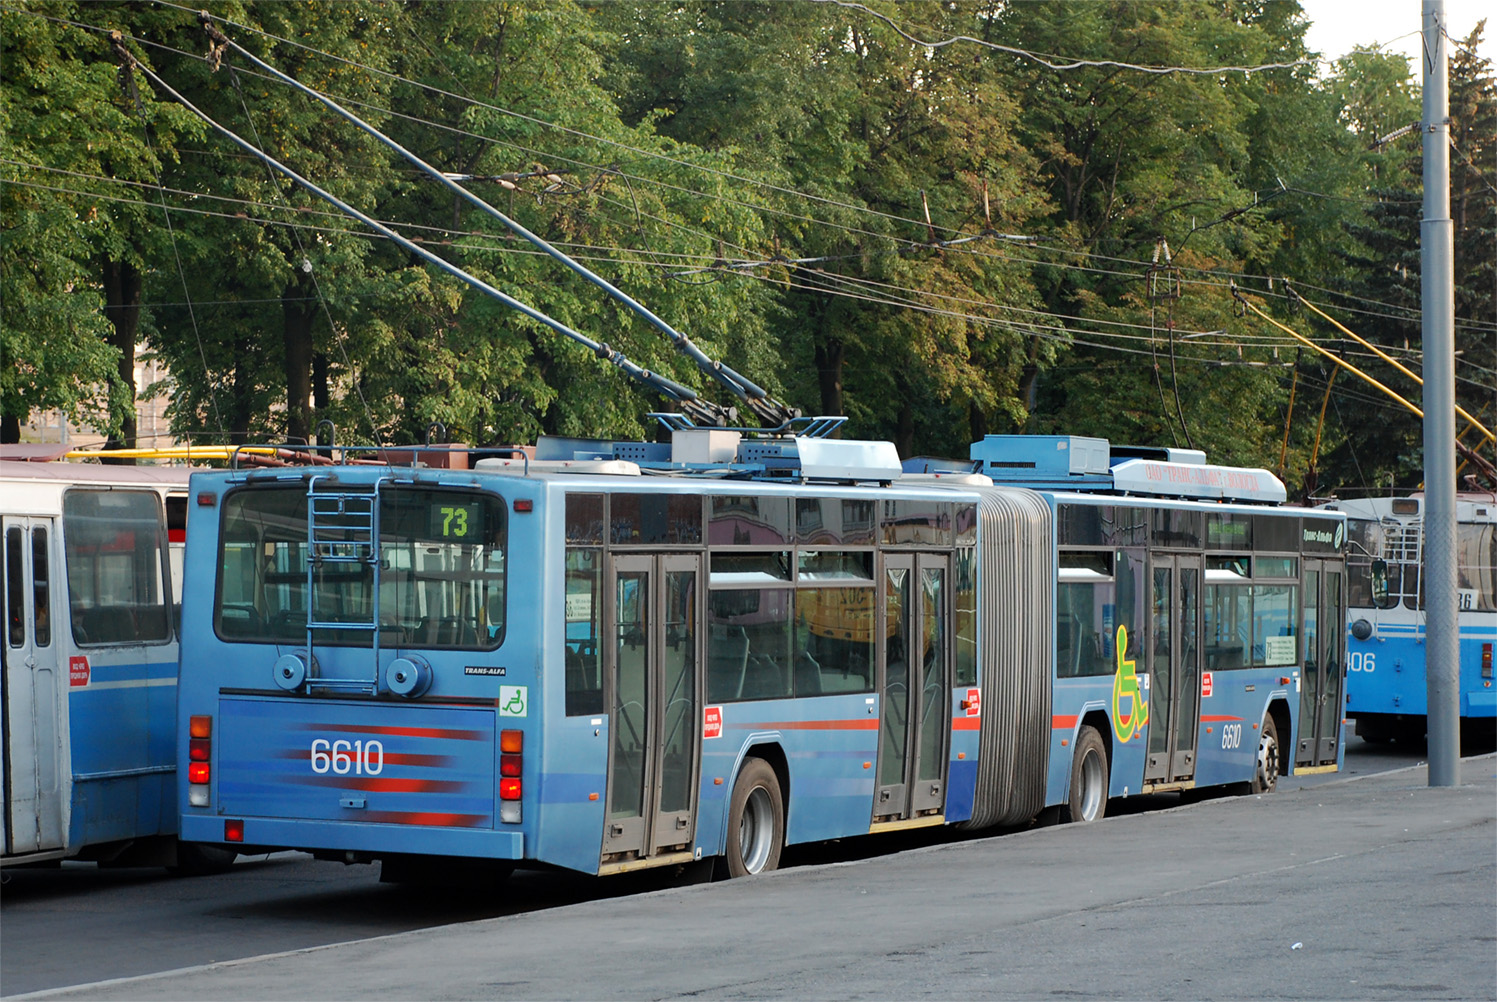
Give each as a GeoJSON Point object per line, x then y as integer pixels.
{"type": "Point", "coordinates": [74, 248]}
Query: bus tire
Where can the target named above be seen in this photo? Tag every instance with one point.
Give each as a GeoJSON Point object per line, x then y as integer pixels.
{"type": "Point", "coordinates": [756, 821]}
{"type": "Point", "coordinates": [1266, 763]}
{"type": "Point", "coordinates": [1089, 778]}
{"type": "Point", "coordinates": [195, 859]}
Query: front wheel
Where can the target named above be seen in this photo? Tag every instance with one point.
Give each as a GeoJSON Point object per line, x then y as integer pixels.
{"type": "Point", "coordinates": [1088, 778]}
{"type": "Point", "coordinates": [1266, 766]}
{"type": "Point", "coordinates": [756, 821]}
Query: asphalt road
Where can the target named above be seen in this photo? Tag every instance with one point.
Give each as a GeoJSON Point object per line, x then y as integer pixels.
{"type": "Point", "coordinates": [78, 924]}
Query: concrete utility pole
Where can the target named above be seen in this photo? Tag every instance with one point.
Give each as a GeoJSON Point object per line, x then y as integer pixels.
{"type": "Point", "coordinates": [1437, 292]}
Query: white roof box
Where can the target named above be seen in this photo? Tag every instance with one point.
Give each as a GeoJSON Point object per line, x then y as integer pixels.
{"type": "Point", "coordinates": [1198, 480]}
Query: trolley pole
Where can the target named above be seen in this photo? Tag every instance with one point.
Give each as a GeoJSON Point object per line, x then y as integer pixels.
{"type": "Point", "coordinates": [1437, 293]}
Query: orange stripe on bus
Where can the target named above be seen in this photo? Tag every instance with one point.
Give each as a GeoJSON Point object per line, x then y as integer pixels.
{"type": "Point", "coordinates": [1063, 723]}
{"type": "Point", "coordinates": [860, 724]}
{"type": "Point", "coordinates": [1207, 718]}
{"type": "Point", "coordinates": [966, 723]}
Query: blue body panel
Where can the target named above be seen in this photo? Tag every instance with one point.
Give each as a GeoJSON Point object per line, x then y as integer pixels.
{"type": "Point", "coordinates": [120, 736]}
{"type": "Point", "coordinates": [830, 745]}
{"type": "Point", "coordinates": [1386, 671]}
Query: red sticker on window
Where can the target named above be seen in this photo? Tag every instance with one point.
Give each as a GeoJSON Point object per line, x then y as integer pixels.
{"type": "Point", "coordinates": [712, 722]}
{"type": "Point", "coordinates": [78, 670]}
{"type": "Point", "coordinates": [973, 703]}
{"type": "Point", "coordinates": [1205, 684]}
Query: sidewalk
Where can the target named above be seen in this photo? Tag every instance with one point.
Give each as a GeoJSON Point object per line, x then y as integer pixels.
{"type": "Point", "coordinates": [1365, 888]}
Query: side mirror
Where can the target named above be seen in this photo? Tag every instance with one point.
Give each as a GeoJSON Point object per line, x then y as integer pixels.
{"type": "Point", "coordinates": [1380, 583]}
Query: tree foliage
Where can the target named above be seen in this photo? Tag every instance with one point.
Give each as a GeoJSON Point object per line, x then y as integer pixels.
{"type": "Point", "coordinates": [938, 238]}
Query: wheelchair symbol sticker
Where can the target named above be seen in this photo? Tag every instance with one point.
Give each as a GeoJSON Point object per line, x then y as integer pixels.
{"type": "Point", "coordinates": [513, 700]}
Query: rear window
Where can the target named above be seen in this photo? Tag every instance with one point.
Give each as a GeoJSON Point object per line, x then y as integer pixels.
{"type": "Point", "coordinates": [440, 560]}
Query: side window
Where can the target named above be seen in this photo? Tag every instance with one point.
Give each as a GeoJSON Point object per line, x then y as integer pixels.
{"type": "Point", "coordinates": [1086, 614]}
{"type": "Point", "coordinates": [584, 677]}
{"type": "Point", "coordinates": [1228, 607]}
{"type": "Point", "coordinates": [115, 567]}
{"type": "Point", "coordinates": [834, 636]}
{"type": "Point", "coordinates": [749, 643]}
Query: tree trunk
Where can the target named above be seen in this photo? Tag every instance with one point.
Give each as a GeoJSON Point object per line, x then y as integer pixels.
{"type": "Point", "coordinates": [298, 313]}
{"type": "Point", "coordinates": [977, 422]}
{"type": "Point", "coordinates": [242, 395]}
{"type": "Point", "coordinates": [831, 352]}
{"type": "Point", "coordinates": [122, 284]}
{"type": "Point", "coordinates": [904, 430]}
{"type": "Point", "coordinates": [321, 396]}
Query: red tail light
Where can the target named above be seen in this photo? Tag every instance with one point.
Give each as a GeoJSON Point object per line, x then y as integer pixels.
{"type": "Point", "coordinates": [199, 755]}
{"type": "Point", "coordinates": [1486, 660]}
{"type": "Point", "coordinates": [233, 831]}
{"type": "Point", "coordinates": [511, 768]}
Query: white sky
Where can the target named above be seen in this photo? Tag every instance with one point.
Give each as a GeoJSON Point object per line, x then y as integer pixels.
{"type": "Point", "coordinates": [1337, 26]}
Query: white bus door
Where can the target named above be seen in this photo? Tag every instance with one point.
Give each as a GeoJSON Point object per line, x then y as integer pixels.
{"type": "Point", "coordinates": [1321, 680]}
{"type": "Point", "coordinates": [1174, 670]}
{"type": "Point", "coordinates": [33, 691]}
{"type": "Point", "coordinates": [652, 691]}
{"type": "Point", "coordinates": [914, 686]}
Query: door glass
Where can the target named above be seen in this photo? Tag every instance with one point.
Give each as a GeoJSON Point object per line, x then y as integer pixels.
{"type": "Point", "coordinates": [1310, 676]}
{"type": "Point", "coordinates": [1330, 673]}
{"type": "Point", "coordinates": [896, 680]}
{"type": "Point", "coordinates": [933, 687]}
{"type": "Point", "coordinates": [1159, 664]}
{"type": "Point", "coordinates": [679, 685]}
{"type": "Point", "coordinates": [630, 696]}
{"type": "Point", "coordinates": [40, 588]}
{"type": "Point", "coordinates": [1186, 719]}
{"type": "Point", "coordinates": [15, 589]}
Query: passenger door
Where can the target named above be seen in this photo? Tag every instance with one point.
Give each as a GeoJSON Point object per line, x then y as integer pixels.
{"type": "Point", "coordinates": [915, 687]}
{"type": "Point", "coordinates": [31, 693]}
{"type": "Point", "coordinates": [1321, 681]}
{"type": "Point", "coordinates": [653, 695]}
{"type": "Point", "coordinates": [1175, 669]}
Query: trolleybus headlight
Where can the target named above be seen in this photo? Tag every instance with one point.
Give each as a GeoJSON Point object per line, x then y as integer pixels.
{"type": "Point", "coordinates": [1361, 629]}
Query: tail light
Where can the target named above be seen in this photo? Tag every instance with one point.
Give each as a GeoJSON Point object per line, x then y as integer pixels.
{"type": "Point", "coordinates": [199, 759]}
{"type": "Point", "coordinates": [511, 766]}
{"type": "Point", "coordinates": [1486, 660]}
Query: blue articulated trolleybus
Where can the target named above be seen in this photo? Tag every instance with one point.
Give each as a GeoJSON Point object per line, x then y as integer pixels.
{"type": "Point", "coordinates": [1386, 686]}
{"type": "Point", "coordinates": [606, 656]}
{"type": "Point", "coordinates": [92, 575]}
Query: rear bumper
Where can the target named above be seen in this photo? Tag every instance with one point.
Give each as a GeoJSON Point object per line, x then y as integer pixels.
{"type": "Point", "coordinates": [374, 839]}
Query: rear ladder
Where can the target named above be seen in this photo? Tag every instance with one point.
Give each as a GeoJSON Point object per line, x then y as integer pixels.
{"type": "Point", "coordinates": [342, 532]}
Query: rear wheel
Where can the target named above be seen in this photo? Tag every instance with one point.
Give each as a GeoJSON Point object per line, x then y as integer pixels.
{"type": "Point", "coordinates": [756, 821]}
{"type": "Point", "coordinates": [1088, 778]}
{"type": "Point", "coordinates": [1266, 766]}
